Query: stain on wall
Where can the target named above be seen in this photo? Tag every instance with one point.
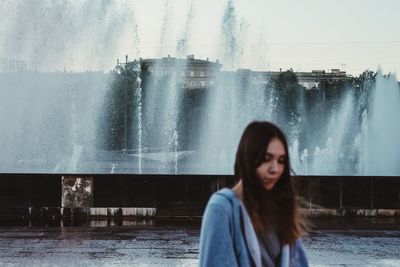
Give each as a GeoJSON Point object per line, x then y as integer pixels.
{"type": "Point", "coordinates": [77, 192]}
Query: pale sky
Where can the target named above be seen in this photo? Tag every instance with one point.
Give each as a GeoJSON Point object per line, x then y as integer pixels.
{"type": "Point", "coordinates": [353, 35]}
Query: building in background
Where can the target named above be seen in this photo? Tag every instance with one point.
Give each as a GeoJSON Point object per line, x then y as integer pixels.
{"type": "Point", "coordinates": [195, 73]}
{"type": "Point", "coordinates": [199, 73]}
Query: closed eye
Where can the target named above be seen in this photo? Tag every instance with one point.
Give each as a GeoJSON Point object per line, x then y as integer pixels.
{"type": "Point", "coordinates": [281, 159]}
{"type": "Point", "coordinates": [267, 158]}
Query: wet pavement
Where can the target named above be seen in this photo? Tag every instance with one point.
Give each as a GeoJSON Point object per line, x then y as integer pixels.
{"type": "Point", "coordinates": [353, 248]}
{"type": "Point", "coordinates": [175, 245]}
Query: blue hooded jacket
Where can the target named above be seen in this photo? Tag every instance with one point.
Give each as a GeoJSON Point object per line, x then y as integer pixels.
{"type": "Point", "coordinates": [228, 238]}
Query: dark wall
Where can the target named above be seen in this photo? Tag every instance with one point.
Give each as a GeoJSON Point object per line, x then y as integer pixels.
{"type": "Point", "coordinates": [154, 190]}
{"type": "Point", "coordinates": [30, 190]}
{"type": "Point", "coordinates": [364, 192]}
{"type": "Point", "coordinates": [166, 191]}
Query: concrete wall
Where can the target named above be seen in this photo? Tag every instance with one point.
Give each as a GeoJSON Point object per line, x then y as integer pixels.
{"type": "Point", "coordinates": [351, 192]}
{"type": "Point", "coordinates": [182, 196]}
{"type": "Point", "coordinates": [352, 196]}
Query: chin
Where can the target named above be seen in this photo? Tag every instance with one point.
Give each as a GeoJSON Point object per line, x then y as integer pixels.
{"type": "Point", "coordinates": [269, 187]}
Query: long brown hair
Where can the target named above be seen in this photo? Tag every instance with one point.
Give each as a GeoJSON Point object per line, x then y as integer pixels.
{"type": "Point", "coordinates": [276, 209]}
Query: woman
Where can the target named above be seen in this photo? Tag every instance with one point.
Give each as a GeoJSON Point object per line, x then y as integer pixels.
{"type": "Point", "coordinates": [258, 222]}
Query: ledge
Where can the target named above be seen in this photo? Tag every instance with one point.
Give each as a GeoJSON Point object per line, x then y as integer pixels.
{"type": "Point", "coordinates": [351, 212]}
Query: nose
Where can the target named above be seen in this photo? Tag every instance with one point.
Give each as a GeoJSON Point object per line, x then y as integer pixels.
{"type": "Point", "coordinates": [273, 168]}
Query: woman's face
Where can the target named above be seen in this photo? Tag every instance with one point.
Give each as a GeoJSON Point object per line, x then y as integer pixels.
{"type": "Point", "coordinates": [271, 169]}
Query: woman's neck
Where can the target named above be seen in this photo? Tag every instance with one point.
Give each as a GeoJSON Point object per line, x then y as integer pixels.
{"type": "Point", "coordinates": [238, 189]}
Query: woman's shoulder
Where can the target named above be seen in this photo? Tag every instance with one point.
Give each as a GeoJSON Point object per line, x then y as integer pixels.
{"type": "Point", "coordinates": [222, 201]}
{"type": "Point", "coordinates": [298, 254]}
{"type": "Point", "coordinates": [223, 196]}
{"type": "Point", "coordinates": [219, 209]}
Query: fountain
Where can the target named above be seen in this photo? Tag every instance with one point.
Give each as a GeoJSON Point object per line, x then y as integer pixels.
{"type": "Point", "coordinates": [381, 146]}
{"type": "Point", "coordinates": [171, 114]}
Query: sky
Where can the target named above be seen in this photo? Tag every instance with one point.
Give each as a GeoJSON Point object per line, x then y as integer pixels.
{"type": "Point", "coordinates": [305, 35]}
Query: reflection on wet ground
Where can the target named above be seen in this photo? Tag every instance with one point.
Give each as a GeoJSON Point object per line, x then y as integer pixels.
{"type": "Point", "coordinates": [175, 243]}
{"type": "Point", "coordinates": [108, 246]}
{"type": "Point", "coordinates": [337, 223]}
